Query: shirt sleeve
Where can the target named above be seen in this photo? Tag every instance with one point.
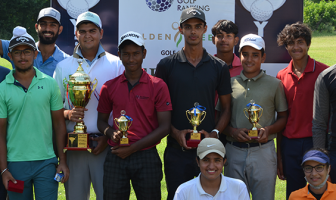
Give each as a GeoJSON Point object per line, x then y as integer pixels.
{"type": "Point", "coordinates": [3, 105]}
{"type": "Point", "coordinates": [218, 105]}
{"type": "Point", "coordinates": [162, 98]}
{"type": "Point", "coordinates": [161, 71]}
{"type": "Point", "coordinates": [320, 113]}
{"type": "Point", "coordinates": [280, 99]}
{"type": "Point", "coordinates": [56, 102]}
{"type": "Point", "coordinates": [224, 86]}
{"type": "Point", "coordinates": [121, 68]}
{"type": "Point", "coordinates": [105, 105]}
{"type": "Point", "coordinates": [58, 77]}
{"type": "Point", "coordinates": [243, 195]}
{"type": "Point", "coordinates": [5, 45]}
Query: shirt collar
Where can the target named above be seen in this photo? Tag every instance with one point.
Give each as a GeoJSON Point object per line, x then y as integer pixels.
{"type": "Point", "coordinates": [236, 61]}
{"type": "Point", "coordinates": [262, 72]}
{"type": "Point", "coordinates": [143, 78]}
{"type": "Point", "coordinates": [182, 58]}
{"type": "Point", "coordinates": [309, 68]}
{"type": "Point", "coordinates": [57, 55]}
{"type": "Point", "coordinates": [222, 187]}
{"type": "Point", "coordinates": [78, 54]}
{"type": "Point", "coordinates": [10, 77]}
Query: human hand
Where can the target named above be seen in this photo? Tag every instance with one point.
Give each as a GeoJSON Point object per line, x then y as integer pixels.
{"type": "Point", "coordinates": [122, 152]}
{"type": "Point", "coordinates": [280, 167]}
{"type": "Point", "coordinates": [240, 135]}
{"type": "Point", "coordinates": [63, 167]}
{"type": "Point", "coordinates": [102, 144]}
{"type": "Point", "coordinates": [179, 136]}
{"type": "Point", "coordinates": [76, 114]}
{"type": "Point", "coordinates": [7, 176]}
{"type": "Point", "coordinates": [263, 135]}
{"type": "Point", "coordinates": [117, 135]}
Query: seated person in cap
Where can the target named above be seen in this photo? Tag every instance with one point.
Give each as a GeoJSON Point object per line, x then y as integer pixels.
{"type": "Point", "coordinates": [211, 182]}
{"type": "Point", "coordinates": [316, 167]}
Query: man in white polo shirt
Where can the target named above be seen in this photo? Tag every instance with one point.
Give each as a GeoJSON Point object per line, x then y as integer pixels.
{"type": "Point", "coordinates": [97, 63]}
{"type": "Point", "coordinates": [211, 183]}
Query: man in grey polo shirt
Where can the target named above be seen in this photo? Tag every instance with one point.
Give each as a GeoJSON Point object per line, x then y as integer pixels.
{"type": "Point", "coordinates": [254, 160]}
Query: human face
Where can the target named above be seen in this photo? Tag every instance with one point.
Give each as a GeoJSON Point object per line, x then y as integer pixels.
{"type": "Point", "coordinates": [132, 57]}
{"type": "Point", "coordinates": [23, 61]}
{"type": "Point", "coordinates": [89, 36]}
{"type": "Point", "coordinates": [316, 178]}
{"type": "Point", "coordinates": [211, 166]}
{"type": "Point", "coordinates": [48, 30]}
{"type": "Point", "coordinates": [298, 49]}
{"type": "Point", "coordinates": [251, 60]}
{"type": "Point", "coordinates": [224, 41]}
{"type": "Point", "coordinates": [193, 30]}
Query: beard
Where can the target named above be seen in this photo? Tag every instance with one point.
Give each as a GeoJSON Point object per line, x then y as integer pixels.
{"type": "Point", "coordinates": [24, 70]}
{"type": "Point", "coordinates": [44, 40]}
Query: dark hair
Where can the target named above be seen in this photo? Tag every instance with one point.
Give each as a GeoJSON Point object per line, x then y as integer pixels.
{"type": "Point", "coordinates": [293, 32]}
{"type": "Point", "coordinates": [198, 158]}
{"type": "Point", "coordinates": [225, 25]}
{"type": "Point", "coordinates": [128, 42]}
{"type": "Point", "coordinates": [181, 25]}
{"type": "Point", "coordinates": [87, 22]}
{"type": "Point", "coordinates": [321, 150]}
{"type": "Point", "coordinates": [262, 51]}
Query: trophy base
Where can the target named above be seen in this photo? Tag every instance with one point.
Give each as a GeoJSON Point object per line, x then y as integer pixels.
{"type": "Point", "coordinates": [78, 142]}
{"type": "Point", "coordinates": [193, 143]}
{"type": "Point", "coordinates": [124, 142]}
{"type": "Point", "coordinates": [253, 134]}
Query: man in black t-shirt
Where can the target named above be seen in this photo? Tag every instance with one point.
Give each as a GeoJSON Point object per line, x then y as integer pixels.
{"type": "Point", "coordinates": [192, 75]}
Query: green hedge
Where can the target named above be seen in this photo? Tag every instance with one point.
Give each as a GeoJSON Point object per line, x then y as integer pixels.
{"type": "Point", "coordinates": [320, 16]}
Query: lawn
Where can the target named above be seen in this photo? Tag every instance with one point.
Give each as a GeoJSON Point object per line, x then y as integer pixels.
{"type": "Point", "coordinates": [322, 49]}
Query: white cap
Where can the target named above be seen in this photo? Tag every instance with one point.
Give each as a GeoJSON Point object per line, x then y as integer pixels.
{"type": "Point", "coordinates": [50, 12]}
{"type": "Point", "coordinates": [89, 17]}
{"type": "Point", "coordinates": [21, 37]}
{"type": "Point", "coordinates": [210, 145]}
{"type": "Point", "coordinates": [134, 37]}
{"type": "Point", "coordinates": [252, 40]}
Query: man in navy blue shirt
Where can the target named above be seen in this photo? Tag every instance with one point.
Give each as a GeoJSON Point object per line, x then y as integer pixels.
{"type": "Point", "coordinates": [3, 73]}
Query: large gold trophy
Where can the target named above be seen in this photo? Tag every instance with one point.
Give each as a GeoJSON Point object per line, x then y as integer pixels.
{"type": "Point", "coordinates": [123, 123]}
{"type": "Point", "coordinates": [253, 112]}
{"type": "Point", "coordinates": [195, 120]}
{"type": "Point", "coordinates": [79, 88]}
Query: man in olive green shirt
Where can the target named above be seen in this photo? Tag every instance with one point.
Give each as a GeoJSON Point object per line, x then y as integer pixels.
{"type": "Point", "coordinates": [254, 160]}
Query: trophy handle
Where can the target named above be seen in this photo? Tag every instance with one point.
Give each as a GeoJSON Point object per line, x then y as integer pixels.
{"type": "Point", "coordinates": [262, 110]}
{"type": "Point", "coordinates": [65, 82]}
{"type": "Point", "coordinates": [130, 125]}
{"type": "Point", "coordinates": [116, 123]}
{"type": "Point", "coordinates": [246, 110]}
{"type": "Point", "coordinates": [94, 83]}
{"type": "Point", "coordinates": [188, 112]}
{"type": "Point", "coordinates": [203, 116]}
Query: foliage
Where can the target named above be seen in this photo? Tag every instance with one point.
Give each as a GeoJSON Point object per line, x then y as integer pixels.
{"type": "Point", "coordinates": [320, 16]}
{"type": "Point", "coordinates": [19, 13]}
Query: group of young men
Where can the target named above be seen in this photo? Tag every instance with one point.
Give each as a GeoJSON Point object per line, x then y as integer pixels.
{"type": "Point", "coordinates": [34, 106]}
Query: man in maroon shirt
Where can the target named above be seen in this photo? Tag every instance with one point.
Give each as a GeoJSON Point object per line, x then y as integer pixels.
{"type": "Point", "coordinates": [298, 79]}
{"type": "Point", "coordinates": [146, 99]}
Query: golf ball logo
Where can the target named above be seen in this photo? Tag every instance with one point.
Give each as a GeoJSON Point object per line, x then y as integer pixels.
{"type": "Point", "coordinates": [76, 7]}
{"type": "Point", "coordinates": [262, 10]}
{"type": "Point", "coordinates": [159, 5]}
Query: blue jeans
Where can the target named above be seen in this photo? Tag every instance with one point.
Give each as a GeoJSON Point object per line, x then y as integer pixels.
{"type": "Point", "coordinates": [38, 173]}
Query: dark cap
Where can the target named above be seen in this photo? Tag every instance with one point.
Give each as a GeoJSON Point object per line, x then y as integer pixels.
{"type": "Point", "coordinates": [317, 156]}
{"type": "Point", "coordinates": [21, 37]}
{"type": "Point", "coordinates": [192, 12]}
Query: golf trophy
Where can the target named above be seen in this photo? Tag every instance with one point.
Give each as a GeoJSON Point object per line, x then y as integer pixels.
{"type": "Point", "coordinates": [195, 120]}
{"type": "Point", "coordinates": [79, 88]}
{"type": "Point", "coordinates": [123, 123]}
{"type": "Point", "coordinates": [253, 112]}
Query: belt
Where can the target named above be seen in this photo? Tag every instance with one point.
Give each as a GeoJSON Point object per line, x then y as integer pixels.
{"type": "Point", "coordinates": [247, 145]}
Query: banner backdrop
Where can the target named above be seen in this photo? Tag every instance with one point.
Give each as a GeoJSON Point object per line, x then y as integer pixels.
{"type": "Point", "coordinates": [158, 21]}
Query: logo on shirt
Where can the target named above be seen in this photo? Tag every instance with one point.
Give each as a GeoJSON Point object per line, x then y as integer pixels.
{"type": "Point", "coordinates": [141, 97]}
{"type": "Point", "coordinates": [38, 87]}
{"type": "Point", "coordinates": [167, 103]}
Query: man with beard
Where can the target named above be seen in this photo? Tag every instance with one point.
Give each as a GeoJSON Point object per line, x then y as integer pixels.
{"type": "Point", "coordinates": [48, 27]}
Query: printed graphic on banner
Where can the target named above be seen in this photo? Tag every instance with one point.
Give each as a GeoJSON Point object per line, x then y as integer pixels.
{"type": "Point", "coordinates": [262, 10]}
{"type": "Point", "coordinates": [160, 20]}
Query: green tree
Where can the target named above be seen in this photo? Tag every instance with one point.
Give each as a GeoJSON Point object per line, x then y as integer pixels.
{"type": "Point", "coordinates": [19, 13]}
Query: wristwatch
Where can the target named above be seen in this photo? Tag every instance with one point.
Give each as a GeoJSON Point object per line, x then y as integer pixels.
{"type": "Point", "coordinates": [217, 131]}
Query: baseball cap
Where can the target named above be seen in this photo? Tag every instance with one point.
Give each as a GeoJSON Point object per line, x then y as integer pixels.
{"type": "Point", "coordinates": [134, 37]}
{"type": "Point", "coordinates": [89, 17]}
{"type": "Point", "coordinates": [21, 37]}
{"type": "Point", "coordinates": [317, 156]}
{"type": "Point", "coordinates": [50, 12]}
{"type": "Point", "coordinates": [252, 40]}
{"type": "Point", "coordinates": [210, 145]}
{"type": "Point", "coordinates": [192, 12]}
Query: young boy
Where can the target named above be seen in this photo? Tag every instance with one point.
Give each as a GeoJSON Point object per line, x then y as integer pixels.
{"type": "Point", "coordinates": [146, 100]}
{"type": "Point", "coordinates": [225, 38]}
{"type": "Point", "coordinates": [298, 79]}
{"type": "Point", "coordinates": [211, 182]}
{"type": "Point", "coordinates": [254, 161]}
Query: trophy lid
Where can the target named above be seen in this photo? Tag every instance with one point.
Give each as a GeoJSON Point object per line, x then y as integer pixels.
{"type": "Point", "coordinates": [80, 76]}
{"type": "Point", "coordinates": [123, 117]}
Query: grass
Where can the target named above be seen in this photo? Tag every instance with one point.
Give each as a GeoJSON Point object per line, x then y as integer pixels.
{"type": "Point", "coordinates": [322, 49]}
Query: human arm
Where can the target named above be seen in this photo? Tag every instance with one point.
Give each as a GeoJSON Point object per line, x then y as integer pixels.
{"type": "Point", "coordinates": [60, 131]}
{"type": "Point", "coordinates": [6, 176]}
{"type": "Point", "coordinates": [279, 157]}
{"type": "Point", "coordinates": [150, 139]}
{"type": "Point", "coordinates": [274, 128]}
{"type": "Point", "coordinates": [321, 109]}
